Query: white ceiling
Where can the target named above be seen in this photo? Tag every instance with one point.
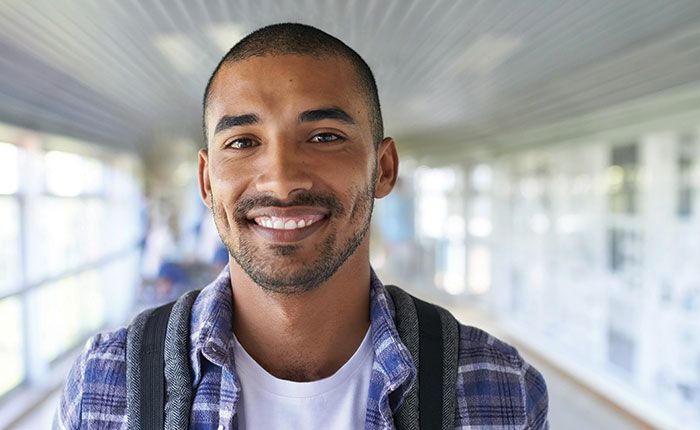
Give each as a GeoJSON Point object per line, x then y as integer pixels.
{"type": "Point", "coordinates": [131, 73]}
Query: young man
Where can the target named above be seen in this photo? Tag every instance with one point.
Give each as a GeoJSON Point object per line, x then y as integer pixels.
{"type": "Point", "coordinates": [298, 332]}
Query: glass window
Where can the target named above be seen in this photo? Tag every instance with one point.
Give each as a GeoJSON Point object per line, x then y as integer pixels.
{"type": "Point", "coordinates": [623, 179]}
{"type": "Point", "coordinates": [123, 215]}
{"type": "Point", "coordinates": [686, 172]}
{"type": "Point", "coordinates": [9, 238]}
{"type": "Point", "coordinates": [58, 314]}
{"type": "Point", "coordinates": [11, 345]}
{"type": "Point", "coordinates": [66, 311]}
{"type": "Point", "coordinates": [621, 349]}
{"type": "Point", "coordinates": [9, 168]}
{"type": "Point", "coordinates": [93, 176]}
{"type": "Point", "coordinates": [65, 173]}
{"type": "Point", "coordinates": [59, 227]}
{"type": "Point", "coordinates": [92, 301]}
{"type": "Point", "coordinates": [73, 213]}
{"type": "Point", "coordinates": [624, 250]}
{"type": "Point", "coordinates": [94, 228]}
{"type": "Point", "coordinates": [479, 269]}
{"type": "Point", "coordinates": [116, 287]}
{"type": "Point", "coordinates": [433, 188]}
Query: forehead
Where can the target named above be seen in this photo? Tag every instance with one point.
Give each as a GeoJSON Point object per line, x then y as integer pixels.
{"type": "Point", "coordinates": [292, 82]}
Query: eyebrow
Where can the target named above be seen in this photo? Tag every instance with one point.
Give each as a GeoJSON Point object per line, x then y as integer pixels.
{"type": "Point", "coordinates": [229, 121]}
{"type": "Point", "coordinates": [326, 113]}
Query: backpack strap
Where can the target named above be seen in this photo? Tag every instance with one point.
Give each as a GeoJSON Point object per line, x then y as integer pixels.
{"type": "Point", "coordinates": [178, 373]}
{"type": "Point", "coordinates": [151, 337]}
{"type": "Point", "coordinates": [431, 335]}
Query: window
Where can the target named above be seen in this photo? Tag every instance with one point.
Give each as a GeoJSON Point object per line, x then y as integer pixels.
{"type": "Point", "coordinates": [11, 344]}
{"type": "Point", "coordinates": [69, 229]}
{"type": "Point", "coordinates": [9, 238]}
{"type": "Point", "coordinates": [623, 178]}
{"type": "Point", "coordinates": [9, 168]}
{"type": "Point", "coordinates": [615, 287]}
{"type": "Point", "coordinates": [687, 176]}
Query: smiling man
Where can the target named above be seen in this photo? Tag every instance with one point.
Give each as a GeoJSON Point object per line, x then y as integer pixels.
{"type": "Point", "coordinates": [298, 331]}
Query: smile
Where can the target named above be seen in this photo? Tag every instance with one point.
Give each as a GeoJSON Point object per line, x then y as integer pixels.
{"type": "Point", "coordinates": [287, 223]}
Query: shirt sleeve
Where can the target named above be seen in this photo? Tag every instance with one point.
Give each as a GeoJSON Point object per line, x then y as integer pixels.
{"type": "Point", "coordinates": [536, 399]}
{"type": "Point", "coordinates": [68, 411]}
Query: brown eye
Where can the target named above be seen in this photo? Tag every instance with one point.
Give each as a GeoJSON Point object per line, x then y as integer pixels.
{"type": "Point", "coordinates": [325, 138]}
{"type": "Point", "coordinates": [241, 143]}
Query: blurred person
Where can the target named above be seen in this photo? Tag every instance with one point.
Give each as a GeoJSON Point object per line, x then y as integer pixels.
{"type": "Point", "coordinates": [159, 246]}
{"type": "Point", "coordinates": [298, 331]}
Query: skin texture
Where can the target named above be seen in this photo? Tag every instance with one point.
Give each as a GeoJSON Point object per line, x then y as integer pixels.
{"type": "Point", "coordinates": [296, 143]}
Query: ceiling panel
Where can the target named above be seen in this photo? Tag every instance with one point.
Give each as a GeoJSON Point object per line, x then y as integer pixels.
{"type": "Point", "coordinates": [131, 73]}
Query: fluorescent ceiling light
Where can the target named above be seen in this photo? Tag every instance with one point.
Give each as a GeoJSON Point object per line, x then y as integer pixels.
{"type": "Point", "coordinates": [224, 36]}
{"type": "Point", "coordinates": [488, 52]}
{"type": "Point", "coordinates": [179, 50]}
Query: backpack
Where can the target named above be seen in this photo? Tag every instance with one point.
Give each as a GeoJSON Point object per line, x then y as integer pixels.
{"type": "Point", "coordinates": [157, 362]}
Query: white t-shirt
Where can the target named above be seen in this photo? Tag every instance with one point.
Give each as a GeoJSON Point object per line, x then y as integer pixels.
{"type": "Point", "coordinates": [336, 402]}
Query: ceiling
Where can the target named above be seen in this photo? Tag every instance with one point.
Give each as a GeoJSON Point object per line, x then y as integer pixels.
{"type": "Point", "coordinates": [131, 73]}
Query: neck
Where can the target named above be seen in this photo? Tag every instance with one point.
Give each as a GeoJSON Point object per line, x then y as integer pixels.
{"type": "Point", "coordinates": [305, 336]}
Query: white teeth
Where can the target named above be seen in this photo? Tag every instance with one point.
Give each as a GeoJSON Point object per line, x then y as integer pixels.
{"type": "Point", "coordinates": [281, 224]}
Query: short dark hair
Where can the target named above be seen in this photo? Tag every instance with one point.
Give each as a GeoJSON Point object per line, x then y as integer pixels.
{"type": "Point", "coordinates": [301, 39]}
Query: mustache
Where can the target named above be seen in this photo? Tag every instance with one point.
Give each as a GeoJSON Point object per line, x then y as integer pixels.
{"type": "Point", "coordinates": [301, 198]}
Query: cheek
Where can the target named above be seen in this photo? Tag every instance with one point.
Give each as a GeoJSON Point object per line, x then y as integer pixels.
{"type": "Point", "coordinates": [362, 198]}
{"type": "Point", "coordinates": [220, 218]}
{"type": "Point", "coordinates": [227, 183]}
{"type": "Point", "coordinates": [223, 201]}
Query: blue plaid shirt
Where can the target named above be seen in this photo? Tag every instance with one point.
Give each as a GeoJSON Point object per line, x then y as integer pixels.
{"type": "Point", "coordinates": [496, 388]}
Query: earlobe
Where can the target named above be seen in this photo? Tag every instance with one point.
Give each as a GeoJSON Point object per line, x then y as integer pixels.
{"type": "Point", "coordinates": [387, 167]}
{"type": "Point", "coordinates": [204, 182]}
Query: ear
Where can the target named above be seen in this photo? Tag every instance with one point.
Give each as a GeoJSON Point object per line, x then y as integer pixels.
{"type": "Point", "coordinates": [387, 167]}
{"type": "Point", "coordinates": [204, 182]}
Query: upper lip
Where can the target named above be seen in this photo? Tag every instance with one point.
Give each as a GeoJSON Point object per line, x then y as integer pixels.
{"type": "Point", "coordinates": [288, 212]}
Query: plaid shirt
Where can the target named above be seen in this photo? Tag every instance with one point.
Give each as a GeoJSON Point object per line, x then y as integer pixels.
{"type": "Point", "coordinates": [496, 388]}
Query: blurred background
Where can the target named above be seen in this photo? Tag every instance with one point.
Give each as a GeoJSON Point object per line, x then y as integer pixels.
{"type": "Point", "coordinates": [549, 187]}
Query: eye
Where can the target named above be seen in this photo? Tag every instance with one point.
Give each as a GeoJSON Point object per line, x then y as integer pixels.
{"type": "Point", "coordinates": [240, 143]}
{"type": "Point", "coordinates": [326, 138]}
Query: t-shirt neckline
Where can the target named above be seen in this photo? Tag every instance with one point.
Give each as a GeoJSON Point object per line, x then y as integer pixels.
{"type": "Point", "coordinates": [257, 375]}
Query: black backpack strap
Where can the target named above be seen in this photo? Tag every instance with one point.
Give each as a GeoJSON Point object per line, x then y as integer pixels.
{"type": "Point", "coordinates": [145, 351]}
{"type": "Point", "coordinates": [178, 374]}
{"type": "Point", "coordinates": [430, 375]}
{"type": "Point", "coordinates": [431, 335]}
{"type": "Point", "coordinates": [147, 370]}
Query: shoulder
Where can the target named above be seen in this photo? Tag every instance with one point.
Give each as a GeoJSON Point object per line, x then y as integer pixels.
{"type": "Point", "coordinates": [103, 354]}
{"type": "Point", "coordinates": [495, 385]}
{"type": "Point", "coordinates": [95, 389]}
{"type": "Point", "coordinates": [103, 345]}
{"type": "Point", "coordinates": [479, 347]}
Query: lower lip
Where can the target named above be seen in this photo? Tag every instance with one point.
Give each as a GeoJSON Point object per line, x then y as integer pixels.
{"type": "Point", "coordinates": [287, 236]}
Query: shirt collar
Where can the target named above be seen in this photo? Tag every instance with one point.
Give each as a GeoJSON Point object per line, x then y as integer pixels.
{"type": "Point", "coordinates": [393, 362]}
{"type": "Point", "coordinates": [211, 325]}
{"type": "Point", "coordinates": [211, 336]}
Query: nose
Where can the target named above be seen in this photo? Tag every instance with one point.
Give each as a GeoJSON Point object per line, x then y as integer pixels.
{"type": "Point", "coordinates": [283, 170]}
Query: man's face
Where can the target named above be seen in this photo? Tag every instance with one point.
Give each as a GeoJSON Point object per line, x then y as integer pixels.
{"type": "Point", "coordinates": [291, 169]}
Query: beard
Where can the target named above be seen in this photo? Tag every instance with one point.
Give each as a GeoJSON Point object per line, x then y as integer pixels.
{"type": "Point", "coordinates": [287, 273]}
